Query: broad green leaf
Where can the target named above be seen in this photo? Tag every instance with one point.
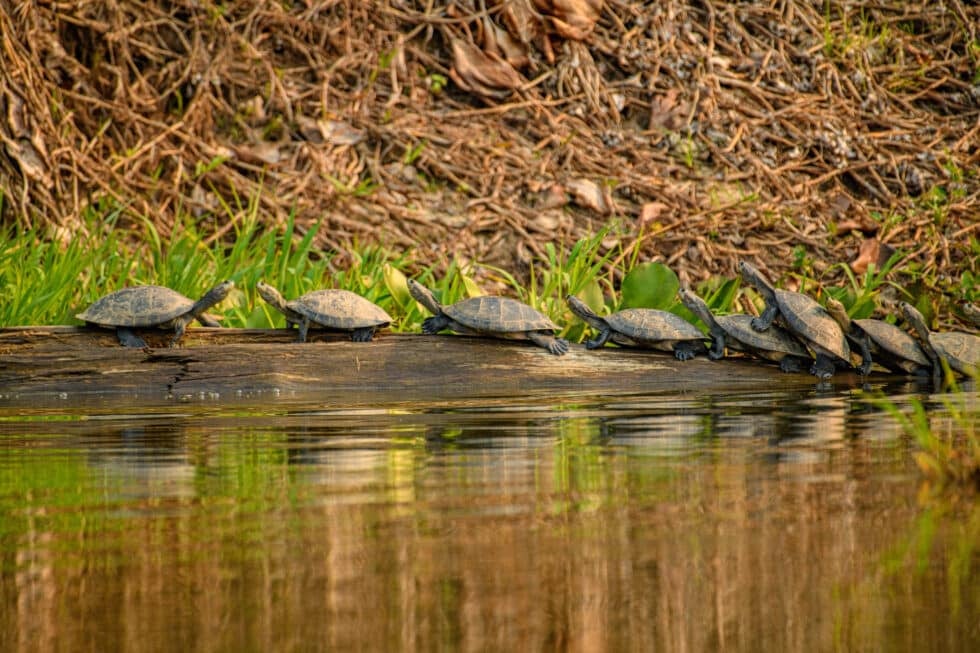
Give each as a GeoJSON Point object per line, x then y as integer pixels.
{"type": "Point", "coordinates": [472, 287]}
{"type": "Point", "coordinates": [722, 299]}
{"type": "Point", "coordinates": [591, 294]}
{"type": "Point", "coordinates": [650, 285]}
{"type": "Point", "coordinates": [397, 285]}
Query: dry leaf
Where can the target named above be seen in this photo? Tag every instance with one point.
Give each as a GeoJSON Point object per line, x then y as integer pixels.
{"type": "Point", "coordinates": [552, 197]}
{"type": "Point", "coordinates": [663, 110]}
{"type": "Point", "coordinates": [502, 44]}
{"type": "Point", "coordinates": [572, 19]}
{"type": "Point", "coordinates": [651, 212]}
{"type": "Point", "coordinates": [338, 132]}
{"type": "Point", "coordinates": [589, 194]}
{"type": "Point", "coordinates": [478, 72]}
{"type": "Point", "coordinates": [874, 252]}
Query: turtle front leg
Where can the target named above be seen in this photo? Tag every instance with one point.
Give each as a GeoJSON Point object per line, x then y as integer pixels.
{"type": "Point", "coordinates": [864, 345]}
{"type": "Point", "coordinates": [362, 335]}
{"type": "Point", "coordinates": [304, 328]}
{"type": "Point", "coordinates": [600, 339]}
{"type": "Point", "coordinates": [687, 349]}
{"type": "Point", "coordinates": [717, 350]}
{"type": "Point", "coordinates": [435, 324]}
{"type": "Point", "coordinates": [823, 367]}
{"type": "Point", "coordinates": [557, 346]}
{"type": "Point", "coordinates": [180, 325]}
{"type": "Point", "coordinates": [764, 321]}
{"type": "Point", "coordinates": [129, 339]}
{"type": "Point", "coordinates": [792, 363]}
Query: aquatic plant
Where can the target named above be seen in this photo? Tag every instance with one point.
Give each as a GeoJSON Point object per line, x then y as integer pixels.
{"type": "Point", "coordinates": [949, 450]}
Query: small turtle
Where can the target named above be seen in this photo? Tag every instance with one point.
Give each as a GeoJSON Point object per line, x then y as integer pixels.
{"type": "Point", "coordinates": [339, 310]}
{"type": "Point", "coordinates": [881, 342]}
{"type": "Point", "coordinates": [642, 327]}
{"type": "Point", "coordinates": [151, 307]}
{"type": "Point", "coordinates": [804, 318]}
{"type": "Point", "coordinates": [500, 317]}
{"type": "Point", "coordinates": [736, 332]}
{"type": "Point", "coordinates": [972, 312]}
{"type": "Point", "coordinates": [960, 350]}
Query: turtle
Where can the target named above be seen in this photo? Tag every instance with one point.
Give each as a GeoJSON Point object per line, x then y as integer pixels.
{"type": "Point", "coordinates": [335, 309]}
{"type": "Point", "coordinates": [960, 350]}
{"type": "Point", "coordinates": [642, 327]}
{"type": "Point", "coordinates": [972, 312]}
{"type": "Point", "coordinates": [881, 342]}
{"type": "Point", "coordinates": [500, 317]}
{"type": "Point", "coordinates": [736, 332]}
{"type": "Point", "coordinates": [803, 317]}
{"type": "Point", "coordinates": [151, 307]}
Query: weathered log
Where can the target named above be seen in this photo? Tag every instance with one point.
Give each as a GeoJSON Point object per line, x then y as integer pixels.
{"type": "Point", "coordinates": [43, 366]}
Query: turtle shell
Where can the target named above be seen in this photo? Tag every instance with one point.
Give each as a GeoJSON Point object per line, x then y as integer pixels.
{"type": "Point", "coordinates": [811, 321]}
{"type": "Point", "coordinates": [339, 309]}
{"type": "Point", "coordinates": [962, 350]}
{"type": "Point", "coordinates": [650, 325]}
{"type": "Point", "coordinates": [137, 306]}
{"type": "Point", "coordinates": [894, 341]}
{"type": "Point", "coordinates": [773, 339]}
{"type": "Point", "coordinates": [498, 315]}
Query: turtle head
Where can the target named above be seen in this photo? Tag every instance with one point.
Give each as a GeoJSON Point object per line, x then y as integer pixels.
{"type": "Point", "coordinates": [424, 296]}
{"type": "Point", "coordinates": [271, 295]}
{"type": "Point", "coordinates": [696, 305]}
{"type": "Point", "coordinates": [212, 297]}
{"type": "Point", "coordinates": [579, 307]}
{"type": "Point", "coordinates": [839, 313]}
{"type": "Point", "coordinates": [916, 320]}
{"type": "Point", "coordinates": [754, 278]}
{"type": "Point", "coordinates": [222, 289]}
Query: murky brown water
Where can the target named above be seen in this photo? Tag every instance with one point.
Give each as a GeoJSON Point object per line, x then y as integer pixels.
{"type": "Point", "coordinates": [760, 521]}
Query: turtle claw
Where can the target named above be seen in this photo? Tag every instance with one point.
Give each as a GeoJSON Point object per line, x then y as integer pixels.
{"type": "Point", "coordinates": [684, 354]}
{"type": "Point", "coordinates": [362, 335]}
{"type": "Point", "coordinates": [558, 346]}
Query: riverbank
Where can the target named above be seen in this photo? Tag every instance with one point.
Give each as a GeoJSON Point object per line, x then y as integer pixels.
{"type": "Point", "coordinates": [811, 139]}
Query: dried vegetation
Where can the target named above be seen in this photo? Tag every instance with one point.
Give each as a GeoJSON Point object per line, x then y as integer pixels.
{"type": "Point", "coordinates": [793, 133]}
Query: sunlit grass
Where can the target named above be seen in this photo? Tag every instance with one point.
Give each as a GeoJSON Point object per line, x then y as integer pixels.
{"type": "Point", "coordinates": [47, 281]}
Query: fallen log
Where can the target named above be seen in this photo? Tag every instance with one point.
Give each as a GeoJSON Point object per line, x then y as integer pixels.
{"type": "Point", "coordinates": [45, 366]}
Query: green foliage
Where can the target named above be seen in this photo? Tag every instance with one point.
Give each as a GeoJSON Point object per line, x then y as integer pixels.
{"type": "Point", "coordinates": [650, 285]}
{"type": "Point", "coordinates": [949, 452]}
{"type": "Point", "coordinates": [859, 297]}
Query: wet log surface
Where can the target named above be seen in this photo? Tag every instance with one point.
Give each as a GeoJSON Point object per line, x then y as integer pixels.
{"type": "Point", "coordinates": [45, 366]}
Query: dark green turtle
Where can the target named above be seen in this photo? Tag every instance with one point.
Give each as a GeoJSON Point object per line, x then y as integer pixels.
{"type": "Point", "coordinates": [803, 317]}
{"type": "Point", "coordinates": [500, 317]}
{"type": "Point", "coordinates": [881, 342]}
{"type": "Point", "coordinates": [151, 307]}
{"type": "Point", "coordinates": [736, 332]}
{"type": "Point", "coordinates": [338, 310]}
{"type": "Point", "coordinates": [961, 351]}
{"type": "Point", "coordinates": [642, 327]}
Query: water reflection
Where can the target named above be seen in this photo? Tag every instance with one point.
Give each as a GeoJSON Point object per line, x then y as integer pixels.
{"type": "Point", "coordinates": [753, 521]}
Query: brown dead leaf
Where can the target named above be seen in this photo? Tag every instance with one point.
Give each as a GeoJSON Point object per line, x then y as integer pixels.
{"type": "Point", "coordinates": [502, 44]}
{"type": "Point", "coordinates": [589, 194]}
{"type": "Point", "coordinates": [484, 74]}
{"type": "Point", "coordinates": [521, 20]}
{"type": "Point", "coordinates": [572, 19]}
{"type": "Point", "coordinates": [663, 110]}
{"type": "Point", "coordinates": [651, 212]}
{"type": "Point", "coordinates": [551, 197]}
{"type": "Point", "coordinates": [872, 251]}
{"type": "Point", "coordinates": [339, 132]}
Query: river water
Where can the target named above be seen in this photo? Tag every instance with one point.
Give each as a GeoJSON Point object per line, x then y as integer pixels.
{"type": "Point", "coordinates": [760, 521]}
